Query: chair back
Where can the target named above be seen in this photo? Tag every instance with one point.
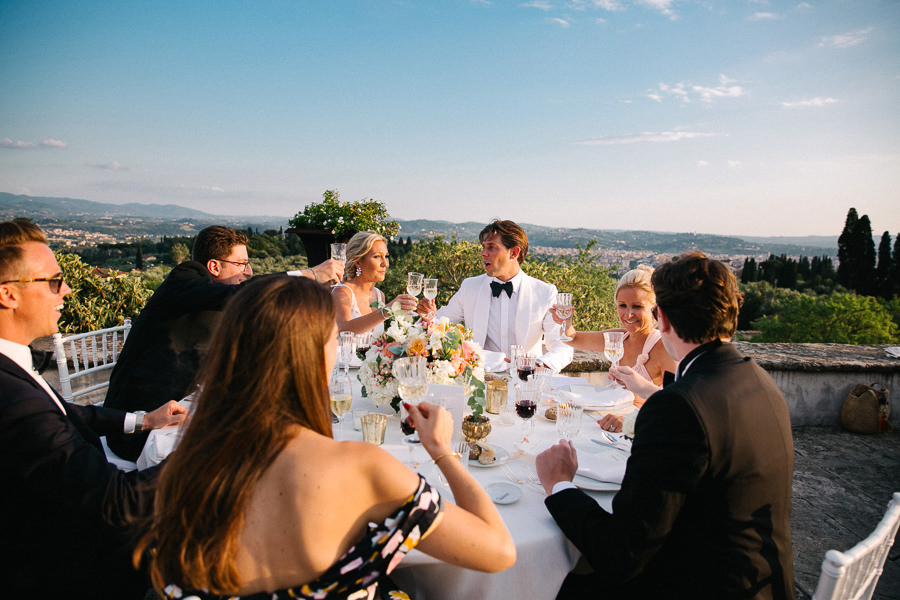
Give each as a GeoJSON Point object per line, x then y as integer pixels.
{"type": "Point", "coordinates": [91, 353]}
{"type": "Point", "coordinates": [853, 574]}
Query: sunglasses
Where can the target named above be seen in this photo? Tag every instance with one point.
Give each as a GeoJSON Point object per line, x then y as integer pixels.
{"type": "Point", "coordinates": [54, 282]}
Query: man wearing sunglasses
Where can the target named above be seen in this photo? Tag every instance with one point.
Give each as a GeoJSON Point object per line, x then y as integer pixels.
{"type": "Point", "coordinates": [169, 338]}
{"type": "Point", "coordinates": [64, 508]}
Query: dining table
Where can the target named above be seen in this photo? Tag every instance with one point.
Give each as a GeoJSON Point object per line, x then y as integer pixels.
{"type": "Point", "coordinates": [544, 556]}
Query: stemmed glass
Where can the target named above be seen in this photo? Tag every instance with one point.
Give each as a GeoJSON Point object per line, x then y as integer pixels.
{"type": "Point", "coordinates": [363, 343]}
{"type": "Point", "coordinates": [410, 373]}
{"type": "Point", "coordinates": [525, 365]}
{"type": "Point", "coordinates": [340, 392]}
{"type": "Point", "coordinates": [339, 252]}
{"type": "Point", "coordinates": [429, 290]}
{"type": "Point", "coordinates": [564, 310]}
{"type": "Point", "coordinates": [346, 347]}
{"type": "Point", "coordinates": [613, 348]}
{"type": "Point", "coordinates": [528, 393]}
{"type": "Point", "coordinates": [414, 283]}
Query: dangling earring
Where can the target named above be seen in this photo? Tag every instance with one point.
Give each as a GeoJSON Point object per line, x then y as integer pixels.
{"type": "Point", "coordinates": [358, 271]}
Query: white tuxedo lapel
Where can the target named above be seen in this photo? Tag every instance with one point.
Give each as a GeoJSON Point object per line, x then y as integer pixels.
{"type": "Point", "coordinates": [481, 308]}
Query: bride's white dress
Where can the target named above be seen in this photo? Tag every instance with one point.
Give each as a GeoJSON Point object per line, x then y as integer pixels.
{"type": "Point", "coordinates": [377, 295]}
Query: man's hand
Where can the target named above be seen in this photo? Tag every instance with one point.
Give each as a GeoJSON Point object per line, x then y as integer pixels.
{"type": "Point", "coordinates": [556, 463]}
{"type": "Point", "coordinates": [426, 309]}
{"type": "Point", "coordinates": [330, 270]}
{"type": "Point", "coordinates": [170, 413]}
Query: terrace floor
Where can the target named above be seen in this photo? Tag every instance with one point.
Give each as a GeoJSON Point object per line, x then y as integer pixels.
{"type": "Point", "coordinates": [842, 484]}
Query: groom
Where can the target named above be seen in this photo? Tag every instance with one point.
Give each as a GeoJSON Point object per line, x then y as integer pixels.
{"type": "Point", "coordinates": [505, 306]}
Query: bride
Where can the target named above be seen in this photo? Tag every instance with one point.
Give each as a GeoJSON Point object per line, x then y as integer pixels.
{"type": "Point", "coordinates": [367, 264]}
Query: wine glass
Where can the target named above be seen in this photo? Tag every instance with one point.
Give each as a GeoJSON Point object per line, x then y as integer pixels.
{"type": "Point", "coordinates": [564, 310]}
{"type": "Point", "coordinates": [414, 283]}
{"type": "Point", "coordinates": [340, 392]}
{"type": "Point", "coordinates": [525, 365]}
{"type": "Point", "coordinates": [339, 252]}
{"type": "Point", "coordinates": [429, 290]}
{"type": "Point", "coordinates": [410, 373]}
{"type": "Point", "coordinates": [528, 393]}
{"type": "Point", "coordinates": [613, 348]}
{"type": "Point", "coordinates": [363, 343]}
{"type": "Point", "coordinates": [515, 351]}
{"type": "Point", "coordinates": [346, 346]}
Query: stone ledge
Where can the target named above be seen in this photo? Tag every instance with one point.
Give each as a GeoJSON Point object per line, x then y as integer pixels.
{"type": "Point", "coordinates": [821, 357]}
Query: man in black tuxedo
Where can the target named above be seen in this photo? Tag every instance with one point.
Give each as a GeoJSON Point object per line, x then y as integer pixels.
{"type": "Point", "coordinates": [64, 510]}
{"type": "Point", "coordinates": [169, 338]}
{"type": "Point", "coordinates": [704, 509]}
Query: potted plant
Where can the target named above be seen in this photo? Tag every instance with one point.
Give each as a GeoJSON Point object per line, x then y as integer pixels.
{"type": "Point", "coordinates": [321, 223]}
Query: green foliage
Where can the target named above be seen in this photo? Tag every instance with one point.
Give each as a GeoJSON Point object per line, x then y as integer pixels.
{"type": "Point", "coordinates": [98, 301]}
{"type": "Point", "coordinates": [838, 318]}
{"type": "Point", "coordinates": [180, 253]}
{"type": "Point", "coordinates": [761, 298]}
{"type": "Point", "coordinates": [452, 261]}
{"type": "Point", "coordinates": [277, 264]}
{"type": "Point", "coordinates": [344, 219]}
{"type": "Point", "coordinates": [154, 276]}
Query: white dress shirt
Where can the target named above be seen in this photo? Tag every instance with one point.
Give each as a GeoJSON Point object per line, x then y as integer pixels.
{"type": "Point", "coordinates": [501, 329]}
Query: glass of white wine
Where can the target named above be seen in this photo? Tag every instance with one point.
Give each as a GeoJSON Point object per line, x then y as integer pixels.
{"type": "Point", "coordinates": [564, 310]}
{"type": "Point", "coordinates": [414, 283]}
{"type": "Point", "coordinates": [340, 392]}
{"type": "Point", "coordinates": [429, 289]}
{"type": "Point", "coordinates": [410, 373]}
{"type": "Point", "coordinates": [613, 348]}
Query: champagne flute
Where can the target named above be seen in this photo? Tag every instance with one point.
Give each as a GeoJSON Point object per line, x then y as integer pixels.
{"type": "Point", "coordinates": [564, 310]}
{"type": "Point", "coordinates": [410, 373]}
{"type": "Point", "coordinates": [414, 283]}
{"type": "Point", "coordinates": [340, 392]}
{"type": "Point", "coordinates": [613, 348]}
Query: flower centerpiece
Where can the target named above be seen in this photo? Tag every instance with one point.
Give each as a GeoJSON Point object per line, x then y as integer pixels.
{"type": "Point", "coordinates": [453, 358]}
{"type": "Point", "coordinates": [343, 219]}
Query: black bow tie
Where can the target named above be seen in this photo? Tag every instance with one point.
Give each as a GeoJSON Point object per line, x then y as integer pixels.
{"type": "Point", "coordinates": [40, 359]}
{"type": "Point", "coordinates": [497, 287]}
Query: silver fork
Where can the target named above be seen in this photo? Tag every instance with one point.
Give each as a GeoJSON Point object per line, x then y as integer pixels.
{"type": "Point", "coordinates": [532, 477]}
{"type": "Point", "coordinates": [510, 475]}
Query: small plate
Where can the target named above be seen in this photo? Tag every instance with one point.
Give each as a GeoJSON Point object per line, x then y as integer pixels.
{"type": "Point", "coordinates": [586, 483]}
{"type": "Point", "coordinates": [503, 493]}
{"type": "Point", "coordinates": [542, 413]}
{"type": "Point", "coordinates": [501, 454]}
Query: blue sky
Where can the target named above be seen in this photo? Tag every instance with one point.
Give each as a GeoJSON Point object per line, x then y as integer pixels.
{"type": "Point", "coordinates": [753, 117]}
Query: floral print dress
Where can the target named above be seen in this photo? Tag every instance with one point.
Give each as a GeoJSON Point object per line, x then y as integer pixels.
{"type": "Point", "coordinates": [362, 572]}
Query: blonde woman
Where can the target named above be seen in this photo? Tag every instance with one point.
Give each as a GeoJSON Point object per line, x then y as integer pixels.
{"type": "Point", "coordinates": [367, 264]}
{"type": "Point", "coordinates": [645, 359]}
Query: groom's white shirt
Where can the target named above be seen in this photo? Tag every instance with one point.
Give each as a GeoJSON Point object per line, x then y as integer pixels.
{"type": "Point", "coordinates": [472, 305]}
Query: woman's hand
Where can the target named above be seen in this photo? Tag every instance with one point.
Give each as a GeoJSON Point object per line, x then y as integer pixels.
{"type": "Point", "coordinates": [434, 425]}
{"type": "Point", "coordinates": [406, 302]}
{"type": "Point", "coordinates": [611, 423]}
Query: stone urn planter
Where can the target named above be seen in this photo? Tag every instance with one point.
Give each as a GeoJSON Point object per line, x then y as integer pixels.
{"type": "Point", "coordinates": [316, 243]}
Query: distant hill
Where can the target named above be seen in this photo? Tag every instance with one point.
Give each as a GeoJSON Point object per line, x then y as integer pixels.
{"type": "Point", "coordinates": [169, 219]}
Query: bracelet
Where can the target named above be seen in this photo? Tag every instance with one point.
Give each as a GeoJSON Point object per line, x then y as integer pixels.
{"type": "Point", "coordinates": [315, 275]}
{"type": "Point", "coordinates": [438, 459]}
{"type": "Point", "coordinates": [383, 316]}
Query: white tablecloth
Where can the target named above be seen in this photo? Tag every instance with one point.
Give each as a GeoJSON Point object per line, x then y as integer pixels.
{"type": "Point", "coordinates": [544, 555]}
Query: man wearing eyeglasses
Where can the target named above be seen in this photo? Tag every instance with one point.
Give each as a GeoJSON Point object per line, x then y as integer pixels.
{"type": "Point", "coordinates": [169, 338]}
{"type": "Point", "coordinates": [63, 509]}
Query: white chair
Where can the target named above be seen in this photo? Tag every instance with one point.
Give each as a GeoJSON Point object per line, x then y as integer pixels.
{"type": "Point", "coordinates": [92, 352]}
{"type": "Point", "coordinates": [852, 575]}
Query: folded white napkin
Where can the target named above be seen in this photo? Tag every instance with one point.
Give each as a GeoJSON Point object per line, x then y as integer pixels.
{"type": "Point", "coordinates": [605, 467]}
{"type": "Point", "coordinates": [593, 397]}
{"type": "Point", "coordinates": [494, 362]}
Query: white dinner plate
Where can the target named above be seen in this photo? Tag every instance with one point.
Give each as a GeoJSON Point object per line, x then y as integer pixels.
{"type": "Point", "coordinates": [543, 410]}
{"type": "Point", "coordinates": [586, 483]}
{"type": "Point", "coordinates": [501, 454]}
{"type": "Point", "coordinates": [503, 493]}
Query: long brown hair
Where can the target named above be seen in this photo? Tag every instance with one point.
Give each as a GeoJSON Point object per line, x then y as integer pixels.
{"type": "Point", "coordinates": [265, 374]}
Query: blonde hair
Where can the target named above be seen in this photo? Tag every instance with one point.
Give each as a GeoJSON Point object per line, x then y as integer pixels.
{"type": "Point", "coordinates": [638, 278]}
{"type": "Point", "coordinates": [358, 246]}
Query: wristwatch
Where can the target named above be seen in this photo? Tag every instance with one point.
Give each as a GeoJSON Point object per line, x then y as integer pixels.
{"type": "Point", "coordinates": [139, 420]}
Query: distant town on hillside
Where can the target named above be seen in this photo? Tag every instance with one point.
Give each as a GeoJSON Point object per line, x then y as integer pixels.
{"type": "Point", "coordinates": [77, 223]}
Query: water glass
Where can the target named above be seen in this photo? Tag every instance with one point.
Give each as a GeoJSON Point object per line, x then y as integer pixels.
{"type": "Point", "coordinates": [495, 395]}
{"type": "Point", "coordinates": [373, 427]}
{"type": "Point", "coordinates": [463, 447]}
{"type": "Point", "coordinates": [568, 420]}
{"type": "Point", "coordinates": [347, 346]}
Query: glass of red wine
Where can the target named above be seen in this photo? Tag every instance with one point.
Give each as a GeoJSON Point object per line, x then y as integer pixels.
{"type": "Point", "coordinates": [528, 394]}
{"type": "Point", "coordinates": [363, 343]}
{"type": "Point", "coordinates": [525, 365]}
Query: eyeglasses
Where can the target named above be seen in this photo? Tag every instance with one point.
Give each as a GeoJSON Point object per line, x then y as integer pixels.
{"type": "Point", "coordinates": [243, 266]}
{"type": "Point", "coordinates": [54, 282]}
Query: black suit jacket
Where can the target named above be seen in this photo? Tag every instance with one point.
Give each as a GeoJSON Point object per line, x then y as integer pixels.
{"type": "Point", "coordinates": [63, 507]}
{"type": "Point", "coordinates": [704, 509]}
{"type": "Point", "coordinates": [165, 347]}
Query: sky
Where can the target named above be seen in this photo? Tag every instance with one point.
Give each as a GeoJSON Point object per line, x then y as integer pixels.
{"type": "Point", "coordinates": [733, 117]}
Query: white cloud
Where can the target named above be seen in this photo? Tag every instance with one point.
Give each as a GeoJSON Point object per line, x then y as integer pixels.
{"type": "Point", "coordinates": [804, 6]}
{"type": "Point", "coordinates": [660, 5]}
{"type": "Point", "coordinates": [702, 163]}
{"type": "Point", "coordinates": [647, 136]}
{"type": "Point", "coordinates": [539, 5]}
{"type": "Point", "coordinates": [734, 163]}
{"type": "Point", "coordinates": [213, 188]}
{"type": "Point", "coordinates": [812, 102]}
{"type": "Point", "coordinates": [610, 5]}
{"type": "Point", "coordinates": [51, 143]}
{"type": "Point", "coordinates": [846, 40]}
{"type": "Point", "coordinates": [16, 145]}
{"type": "Point", "coordinates": [687, 92]}
{"type": "Point", "coordinates": [763, 16]}
{"type": "Point", "coordinates": [561, 22]}
{"type": "Point", "coordinates": [112, 166]}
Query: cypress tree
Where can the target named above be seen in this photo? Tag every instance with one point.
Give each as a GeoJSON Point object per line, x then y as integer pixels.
{"type": "Point", "coordinates": [748, 272]}
{"type": "Point", "coordinates": [895, 267]}
{"type": "Point", "coordinates": [139, 258]}
{"type": "Point", "coordinates": [847, 250]}
{"type": "Point", "coordinates": [883, 286]}
{"type": "Point", "coordinates": [863, 279]}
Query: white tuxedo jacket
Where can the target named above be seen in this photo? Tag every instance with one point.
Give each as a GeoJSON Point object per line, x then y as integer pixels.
{"type": "Point", "coordinates": [472, 304]}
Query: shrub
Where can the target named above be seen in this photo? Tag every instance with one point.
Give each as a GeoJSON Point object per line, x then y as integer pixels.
{"type": "Point", "coordinates": [838, 318]}
{"type": "Point", "coordinates": [344, 219]}
{"type": "Point", "coordinates": [98, 301]}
